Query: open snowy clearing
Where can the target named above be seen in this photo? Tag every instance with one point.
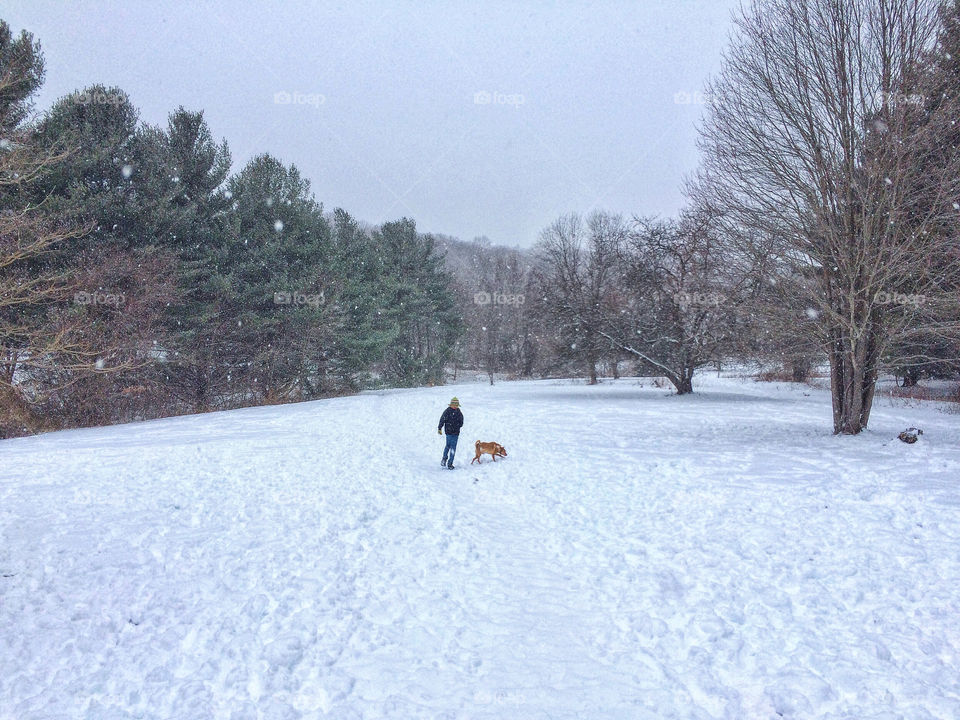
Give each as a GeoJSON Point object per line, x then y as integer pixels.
{"type": "Point", "coordinates": [637, 555]}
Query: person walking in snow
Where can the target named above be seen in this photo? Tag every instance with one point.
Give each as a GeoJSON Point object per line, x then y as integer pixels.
{"type": "Point", "coordinates": [451, 421]}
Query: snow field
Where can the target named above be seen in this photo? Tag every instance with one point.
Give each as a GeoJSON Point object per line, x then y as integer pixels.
{"type": "Point", "coordinates": [637, 555]}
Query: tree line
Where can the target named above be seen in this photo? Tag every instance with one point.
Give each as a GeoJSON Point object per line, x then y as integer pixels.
{"type": "Point", "coordinates": [141, 277]}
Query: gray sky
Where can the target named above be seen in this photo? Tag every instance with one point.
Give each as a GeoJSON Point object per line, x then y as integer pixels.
{"type": "Point", "coordinates": [474, 118]}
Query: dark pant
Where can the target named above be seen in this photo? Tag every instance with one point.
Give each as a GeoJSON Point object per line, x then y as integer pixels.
{"type": "Point", "coordinates": [450, 448]}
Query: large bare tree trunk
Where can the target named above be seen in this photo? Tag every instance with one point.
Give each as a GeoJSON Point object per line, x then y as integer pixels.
{"type": "Point", "coordinates": [684, 383]}
{"type": "Point", "coordinates": [592, 370]}
{"type": "Point", "coordinates": [854, 360]}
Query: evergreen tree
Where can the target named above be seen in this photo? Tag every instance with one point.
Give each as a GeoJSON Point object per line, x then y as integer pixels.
{"type": "Point", "coordinates": [271, 284]}
{"type": "Point", "coordinates": [22, 70]}
{"type": "Point", "coordinates": [114, 183]}
{"type": "Point", "coordinates": [364, 336]}
{"type": "Point", "coordinates": [932, 347]}
{"type": "Point", "coordinates": [418, 317]}
{"type": "Point", "coordinates": [195, 227]}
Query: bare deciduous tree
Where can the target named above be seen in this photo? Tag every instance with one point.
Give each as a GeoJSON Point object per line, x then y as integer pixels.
{"type": "Point", "coordinates": [814, 152]}
{"type": "Point", "coordinates": [579, 281]}
{"type": "Point", "coordinates": [678, 303]}
{"type": "Point", "coordinates": [27, 336]}
{"type": "Point", "coordinates": [47, 341]}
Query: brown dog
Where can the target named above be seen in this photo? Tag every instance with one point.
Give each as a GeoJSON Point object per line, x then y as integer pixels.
{"type": "Point", "coordinates": [494, 450]}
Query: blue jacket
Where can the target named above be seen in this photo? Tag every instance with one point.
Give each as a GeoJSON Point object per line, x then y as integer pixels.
{"type": "Point", "coordinates": [451, 421]}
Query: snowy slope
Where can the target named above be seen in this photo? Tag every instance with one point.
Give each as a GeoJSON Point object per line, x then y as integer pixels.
{"type": "Point", "coordinates": [637, 555]}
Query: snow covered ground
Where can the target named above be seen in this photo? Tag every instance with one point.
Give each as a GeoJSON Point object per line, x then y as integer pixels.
{"type": "Point", "coordinates": [637, 555]}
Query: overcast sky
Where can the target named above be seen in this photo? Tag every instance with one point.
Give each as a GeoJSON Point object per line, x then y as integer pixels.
{"type": "Point", "coordinates": [474, 118]}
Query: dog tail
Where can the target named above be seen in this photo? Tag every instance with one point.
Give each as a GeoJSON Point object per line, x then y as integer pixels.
{"type": "Point", "coordinates": [476, 444]}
